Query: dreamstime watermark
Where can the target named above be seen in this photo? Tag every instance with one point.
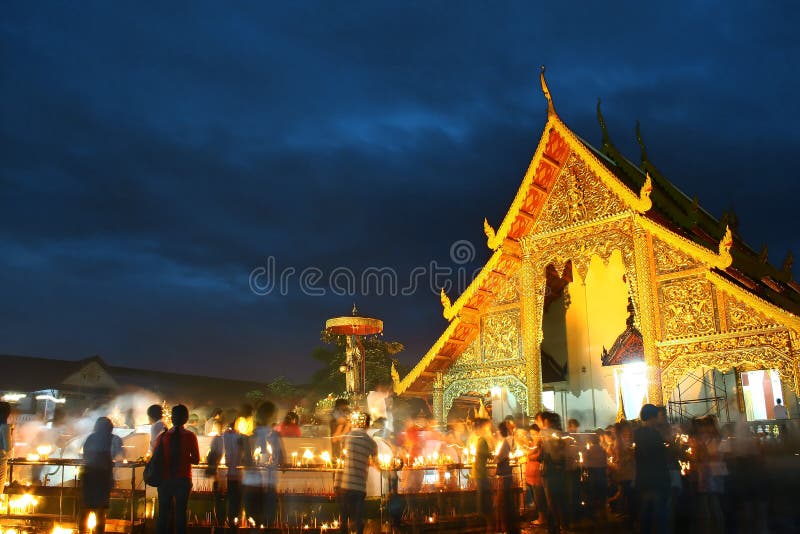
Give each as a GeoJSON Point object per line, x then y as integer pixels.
{"type": "Point", "coordinates": [269, 279]}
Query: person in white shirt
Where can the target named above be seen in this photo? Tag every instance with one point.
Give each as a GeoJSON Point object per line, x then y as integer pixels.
{"type": "Point", "coordinates": [779, 410]}
{"type": "Point", "coordinates": [155, 414]}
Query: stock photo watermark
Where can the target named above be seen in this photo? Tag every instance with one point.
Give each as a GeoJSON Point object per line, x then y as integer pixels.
{"type": "Point", "coordinates": [272, 279]}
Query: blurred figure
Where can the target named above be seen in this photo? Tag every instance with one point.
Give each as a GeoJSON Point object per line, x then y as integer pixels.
{"type": "Point", "coordinates": [180, 452]}
{"type": "Point", "coordinates": [215, 453]}
{"type": "Point", "coordinates": [5, 441]}
{"type": "Point", "coordinates": [351, 482]}
{"type": "Point", "coordinates": [269, 443]}
{"type": "Point", "coordinates": [380, 430]}
{"type": "Point", "coordinates": [290, 427]}
{"type": "Point", "coordinates": [339, 425]}
{"type": "Point", "coordinates": [596, 463]}
{"type": "Point", "coordinates": [780, 411]}
{"type": "Point", "coordinates": [99, 452]}
{"type": "Point", "coordinates": [572, 472]}
{"type": "Point", "coordinates": [193, 424]}
{"type": "Point", "coordinates": [214, 419]}
{"type": "Point", "coordinates": [653, 483]}
{"type": "Point", "coordinates": [624, 471]}
{"type": "Point", "coordinates": [704, 439]}
{"type": "Point", "coordinates": [155, 414]}
{"type": "Point", "coordinates": [232, 441]}
{"type": "Point", "coordinates": [480, 473]}
{"type": "Point", "coordinates": [506, 505]}
{"type": "Point", "coordinates": [554, 461]}
{"type": "Point", "coordinates": [533, 473]}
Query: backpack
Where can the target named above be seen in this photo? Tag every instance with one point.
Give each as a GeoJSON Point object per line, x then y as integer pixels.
{"type": "Point", "coordinates": [154, 468]}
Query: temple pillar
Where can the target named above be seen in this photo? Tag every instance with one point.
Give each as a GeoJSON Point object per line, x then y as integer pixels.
{"type": "Point", "coordinates": [644, 284]}
{"type": "Point", "coordinates": [532, 287]}
{"type": "Point", "coordinates": [438, 401]}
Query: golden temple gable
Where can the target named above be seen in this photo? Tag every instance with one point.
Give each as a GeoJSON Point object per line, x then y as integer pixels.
{"type": "Point", "coordinates": [588, 236]}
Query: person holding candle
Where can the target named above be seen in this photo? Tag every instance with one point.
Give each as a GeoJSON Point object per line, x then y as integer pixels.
{"type": "Point", "coordinates": [268, 441]}
{"type": "Point", "coordinates": [506, 505]}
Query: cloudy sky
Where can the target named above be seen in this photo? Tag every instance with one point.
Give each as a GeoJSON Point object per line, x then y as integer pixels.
{"type": "Point", "coordinates": [154, 158]}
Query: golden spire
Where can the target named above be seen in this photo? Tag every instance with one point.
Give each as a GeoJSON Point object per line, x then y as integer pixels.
{"type": "Point", "coordinates": [551, 110]}
{"type": "Point", "coordinates": [620, 404]}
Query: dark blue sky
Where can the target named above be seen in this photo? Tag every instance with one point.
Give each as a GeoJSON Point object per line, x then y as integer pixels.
{"type": "Point", "coordinates": [152, 157]}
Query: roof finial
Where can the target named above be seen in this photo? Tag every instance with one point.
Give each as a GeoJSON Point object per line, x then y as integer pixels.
{"type": "Point", "coordinates": [641, 143]}
{"type": "Point", "coordinates": [788, 262]}
{"type": "Point", "coordinates": [602, 121]}
{"type": "Point", "coordinates": [551, 110]}
{"type": "Point", "coordinates": [355, 310]}
{"type": "Point", "coordinates": [763, 256]}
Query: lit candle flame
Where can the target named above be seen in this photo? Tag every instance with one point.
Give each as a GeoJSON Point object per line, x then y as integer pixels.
{"type": "Point", "coordinates": [91, 521]}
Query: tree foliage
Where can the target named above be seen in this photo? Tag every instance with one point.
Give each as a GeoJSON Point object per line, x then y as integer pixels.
{"type": "Point", "coordinates": [380, 355]}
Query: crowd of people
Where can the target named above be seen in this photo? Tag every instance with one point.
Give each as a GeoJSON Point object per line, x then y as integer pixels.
{"type": "Point", "coordinates": [643, 476]}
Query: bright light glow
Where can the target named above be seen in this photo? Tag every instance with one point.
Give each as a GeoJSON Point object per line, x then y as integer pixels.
{"type": "Point", "coordinates": [325, 457]}
{"type": "Point", "coordinates": [496, 391]}
{"type": "Point", "coordinates": [58, 529]}
{"type": "Point", "coordinates": [549, 400]}
{"type": "Point", "coordinates": [308, 455]}
{"type": "Point", "coordinates": [44, 450]}
{"type": "Point", "coordinates": [24, 504]}
{"type": "Point", "coordinates": [13, 397]}
{"type": "Point", "coordinates": [632, 378]}
{"type": "Point", "coordinates": [91, 521]}
{"type": "Point", "coordinates": [51, 398]}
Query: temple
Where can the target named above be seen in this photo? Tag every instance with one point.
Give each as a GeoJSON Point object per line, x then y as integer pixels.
{"type": "Point", "coordinates": [608, 287]}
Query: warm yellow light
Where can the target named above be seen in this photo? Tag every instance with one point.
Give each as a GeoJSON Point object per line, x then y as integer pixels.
{"type": "Point", "coordinates": [57, 529]}
{"type": "Point", "coordinates": [44, 450]}
{"type": "Point", "coordinates": [308, 455]}
{"type": "Point", "coordinates": [325, 457]}
{"type": "Point", "coordinates": [91, 521]}
{"type": "Point", "coordinates": [496, 391]}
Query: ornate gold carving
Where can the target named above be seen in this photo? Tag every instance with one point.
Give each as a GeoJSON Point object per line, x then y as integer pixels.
{"type": "Point", "coordinates": [779, 340]}
{"type": "Point", "coordinates": [470, 355]}
{"type": "Point", "coordinates": [579, 245]}
{"type": "Point", "coordinates": [508, 291]}
{"type": "Point", "coordinates": [500, 336]}
{"type": "Point", "coordinates": [578, 196]}
{"type": "Point", "coordinates": [742, 317]}
{"type": "Point", "coordinates": [670, 260]}
{"type": "Point", "coordinates": [532, 288]}
{"type": "Point", "coordinates": [779, 315]}
{"type": "Point", "coordinates": [485, 370]}
{"type": "Point", "coordinates": [721, 260]}
{"type": "Point", "coordinates": [687, 308]}
{"type": "Point", "coordinates": [483, 384]}
{"type": "Point", "coordinates": [640, 286]}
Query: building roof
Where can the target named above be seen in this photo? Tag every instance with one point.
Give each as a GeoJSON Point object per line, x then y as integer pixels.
{"type": "Point", "coordinates": [660, 206]}
{"type": "Point", "coordinates": [27, 374]}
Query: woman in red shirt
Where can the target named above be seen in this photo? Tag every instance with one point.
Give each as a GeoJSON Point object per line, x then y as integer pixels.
{"type": "Point", "coordinates": [180, 451]}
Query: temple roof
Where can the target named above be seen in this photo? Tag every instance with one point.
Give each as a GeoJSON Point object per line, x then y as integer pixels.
{"type": "Point", "coordinates": [660, 207]}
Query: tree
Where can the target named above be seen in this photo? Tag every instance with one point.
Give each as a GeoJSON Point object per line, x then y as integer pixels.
{"type": "Point", "coordinates": [282, 389]}
{"type": "Point", "coordinates": [380, 355]}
